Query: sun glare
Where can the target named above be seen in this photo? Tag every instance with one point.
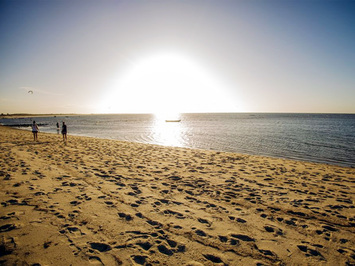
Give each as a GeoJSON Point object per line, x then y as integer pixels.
{"type": "Point", "coordinates": [166, 84]}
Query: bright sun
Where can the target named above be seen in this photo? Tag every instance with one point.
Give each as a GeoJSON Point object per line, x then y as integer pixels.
{"type": "Point", "coordinates": [166, 84]}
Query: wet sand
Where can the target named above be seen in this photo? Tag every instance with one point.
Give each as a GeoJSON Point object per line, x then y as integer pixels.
{"type": "Point", "coordinates": [104, 202]}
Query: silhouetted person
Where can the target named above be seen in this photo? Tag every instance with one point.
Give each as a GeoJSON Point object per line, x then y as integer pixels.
{"type": "Point", "coordinates": [35, 131]}
{"type": "Point", "coordinates": [64, 131]}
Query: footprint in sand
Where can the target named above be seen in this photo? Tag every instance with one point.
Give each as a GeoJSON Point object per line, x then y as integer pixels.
{"type": "Point", "coordinates": [213, 258]}
{"type": "Point", "coordinates": [204, 221]}
{"type": "Point", "coordinates": [273, 229]}
{"type": "Point", "coordinates": [7, 227]}
{"type": "Point", "coordinates": [141, 260]}
{"type": "Point", "coordinates": [308, 251]}
{"type": "Point", "coordinates": [102, 247]}
{"type": "Point", "coordinates": [75, 202]}
{"type": "Point", "coordinates": [243, 237]}
{"type": "Point", "coordinates": [178, 215]}
{"type": "Point", "coordinates": [125, 216]}
{"type": "Point", "coordinates": [145, 245]}
{"type": "Point", "coordinates": [239, 220]}
{"type": "Point", "coordinates": [200, 232]}
{"type": "Point", "coordinates": [73, 230]}
{"type": "Point", "coordinates": [177, 227]}
{"type": "Point", "coordinates": [139, 215]}
{"type": "Point", "coordinates": [8, 216]}
{"type": "Point", "coordinates": [155, 224]}
{"type": "Point", "coordinates": [223, 239]}
{"type": "Point", "coordinates": [163, 249]}
{"type": "Point", "coordinates": [59, 215]}
{"type": "Point", "coordinates": [109, 203]}
{"type": "Point", "coordinates": [7, 245]}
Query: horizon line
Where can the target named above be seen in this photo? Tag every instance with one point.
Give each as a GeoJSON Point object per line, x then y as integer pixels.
{"type": "Point", "coordinates": [152, 113]}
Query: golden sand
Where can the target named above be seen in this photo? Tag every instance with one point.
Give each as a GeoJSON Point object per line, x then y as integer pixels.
{"type": "Point", "coordinates": [104, 202]}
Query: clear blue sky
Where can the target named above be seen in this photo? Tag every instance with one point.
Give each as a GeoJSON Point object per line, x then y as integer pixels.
{"type": "Point", "coordinates": [177, 56]}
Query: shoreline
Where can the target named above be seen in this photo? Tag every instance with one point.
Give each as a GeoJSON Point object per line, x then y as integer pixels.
{"type": "Point", "coordinates": [218, 151]}
{"type": "Point", "coordinates": [113, 202]}
{"type": "Point", "coordinates": [20, 116]}
{"type": "Point", "coordinates": [248, 154]}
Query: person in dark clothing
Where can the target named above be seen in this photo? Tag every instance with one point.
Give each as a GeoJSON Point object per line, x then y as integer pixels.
{"type": "Point", "coordinates": [35, 131]}
{"type": "Point", "coordinates": [64, 131]}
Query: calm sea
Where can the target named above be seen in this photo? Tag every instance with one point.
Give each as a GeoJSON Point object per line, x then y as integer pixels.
{"type": "Point", "coordinates": [324, 138]}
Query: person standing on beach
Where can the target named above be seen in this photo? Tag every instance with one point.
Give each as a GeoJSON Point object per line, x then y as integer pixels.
{"type": "Point", "coordinates": [35, 131]}
{"type": "Point", "coordinates": [57, 127]}
{"type": "Point", "coordinates": [64, 131]}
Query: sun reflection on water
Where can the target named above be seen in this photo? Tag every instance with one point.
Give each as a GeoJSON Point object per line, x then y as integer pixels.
{"type": "Point", "coordinates": [168, 133]}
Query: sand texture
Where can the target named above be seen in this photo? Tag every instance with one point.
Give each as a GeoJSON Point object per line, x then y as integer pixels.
{"type": "Point", "coordinates": [103, 202]}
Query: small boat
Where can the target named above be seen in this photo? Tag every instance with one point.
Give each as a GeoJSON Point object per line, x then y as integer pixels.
{"type": "Point", "coordinates": [173, 120]}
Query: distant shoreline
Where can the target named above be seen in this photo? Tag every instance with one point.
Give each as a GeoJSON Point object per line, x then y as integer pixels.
{"type": "Point", "coordinates": [34, 115]}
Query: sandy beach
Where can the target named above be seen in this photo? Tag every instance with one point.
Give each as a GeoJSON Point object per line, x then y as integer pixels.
{"type": "Point", "coordinates": [104, 202]}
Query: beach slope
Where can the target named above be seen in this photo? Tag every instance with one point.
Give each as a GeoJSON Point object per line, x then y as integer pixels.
{"type": "Point", "coordinates": [104, 202]}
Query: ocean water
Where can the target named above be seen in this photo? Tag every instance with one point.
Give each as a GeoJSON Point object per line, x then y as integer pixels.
{"type": "Point", "coordinates": [323, 138]}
